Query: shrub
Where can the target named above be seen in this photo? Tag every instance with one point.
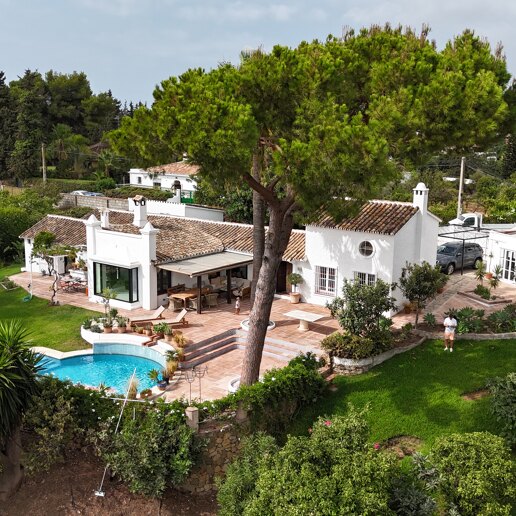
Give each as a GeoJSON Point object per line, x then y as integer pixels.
{"type": "Point", "coordinates": [470, 320]}
{"type": "Point", "coordinates": [503, 405]}
{"type": "Point", "coordinates": [125, 192]}
{"type": "Point", "coordinates": [61, 417]}
{"type": "Point", "coordinates": [275, 399]}
{"type": "Point", "coordinates": [153, 450]}
{"type": "Point", "coordinates": [503, 320]}
{"type": "Point", "coordinates": [430, 319]}
{"type": "Point", "coordinates": [476, 473]}
{"type": "Point", "coordinates": [95, 328]}
{"type": "Point", "coordinates": [105, 184]}
{"type": "Point", "coordinates": [87, 323]}
{"type": "Point", "coordinates": [341, 345]}
{"type": "Point", "coordinates": [238, 486]}
{"type": "Point", "coordinates": [482, 291]}
{"type": "Point", "coordinates": [333, 471]}
{"type": "Point", "coordinates": [362, 308]}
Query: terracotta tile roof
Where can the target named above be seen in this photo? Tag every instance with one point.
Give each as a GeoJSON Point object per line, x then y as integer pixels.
{"type": "Point", "coordinates": [180, 168]}
{"type": "Point", "coordinates": [178, 238]}
{"type": "Point", "coordinates": [383, 217]}
{"type": "Point", "coordinates": [68, 230]}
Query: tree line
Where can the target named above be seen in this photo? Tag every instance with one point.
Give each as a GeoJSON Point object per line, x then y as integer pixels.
{"type": "Point", "coordinates": [61, 111]}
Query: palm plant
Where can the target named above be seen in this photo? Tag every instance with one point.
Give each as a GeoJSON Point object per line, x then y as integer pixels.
{"type": "Point", "coordinates": [19, 367]}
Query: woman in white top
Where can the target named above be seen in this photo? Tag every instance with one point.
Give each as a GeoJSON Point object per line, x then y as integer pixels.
{"type": "Point", "coordinates": [450, 323]}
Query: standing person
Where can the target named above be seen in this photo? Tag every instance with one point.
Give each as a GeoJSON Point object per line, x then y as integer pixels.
{"type": "Point", "coordinates": [237, 306]}
{"type": "Point", "coordinates": [450, 323]}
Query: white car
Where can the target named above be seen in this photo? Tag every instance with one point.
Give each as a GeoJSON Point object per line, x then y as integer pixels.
{"type": "Point", "coordinates": [79, 192]}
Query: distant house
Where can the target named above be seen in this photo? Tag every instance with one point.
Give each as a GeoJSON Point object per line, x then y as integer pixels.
{"type": "Point", "coordinates": [141, 256]}
{"type": "Point", "coordinates": [174, 176]}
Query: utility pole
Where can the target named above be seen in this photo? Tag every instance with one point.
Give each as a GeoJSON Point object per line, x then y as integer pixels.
{"type": "Point", "coordinates": [43, 163]}
{"type": "Point", "coordinates": [461, 185]}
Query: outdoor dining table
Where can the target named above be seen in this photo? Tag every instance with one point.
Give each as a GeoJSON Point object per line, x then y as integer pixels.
{"type": "Point", "coordinates": [304, 318]}
{"type": "Point", "coordinates": [183, 296]}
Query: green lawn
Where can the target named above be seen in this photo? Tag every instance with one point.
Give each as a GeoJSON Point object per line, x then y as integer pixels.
{"type": "Point", "coordinates": [419, 392]}
{"type": "Point", "coordinates": [56, 327]}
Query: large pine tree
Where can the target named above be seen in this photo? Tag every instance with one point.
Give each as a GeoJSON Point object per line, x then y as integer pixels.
{"type": "Point", "coordinates": [7, 122]}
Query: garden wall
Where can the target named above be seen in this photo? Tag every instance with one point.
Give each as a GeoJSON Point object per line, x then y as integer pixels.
{"type": "Point", "coordinates": [99, 203]}
{"type": "Point", "coordinates": [223, 445]}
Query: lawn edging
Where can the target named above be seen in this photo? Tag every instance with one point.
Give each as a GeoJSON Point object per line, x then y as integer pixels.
{"type": "Point", "coordinates": [351, 366]}
{"type": "Point", "coordinates": [468, 336]}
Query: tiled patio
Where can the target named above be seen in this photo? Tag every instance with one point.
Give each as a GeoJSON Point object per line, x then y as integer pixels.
{"type": "Point", "coordinates": [214, 321]}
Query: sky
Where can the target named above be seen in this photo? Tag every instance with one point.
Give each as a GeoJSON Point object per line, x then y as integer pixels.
{"type": "Point", "coordinates": [130, 46]}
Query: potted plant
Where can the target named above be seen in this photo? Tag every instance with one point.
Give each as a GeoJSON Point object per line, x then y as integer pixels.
{"type": "Point", "coordinates": [139, 330]}
{"type": "Point", "coordinates": [121, 323]}
{"type": "Point", "coordinates": [108, 326]}
{"type": "Point", "coordinates": [165, 376]}
{"type": "Point", "coordinates": [480, 271]}
{"type": "Point", "coordinates": [153, 374]}
{"type": "Point", "coordinates": [179, 339]}
{"type": "Point", "coordinates": [494, 281]}
{"type": "Point", "coordinates": [132, 389]}
{"type": "Point", "coordinates": [146, 393]}
{"type": "Point", "coordinates": [148, 329]}
{"type": "Point", "coordinates": [160, 328]}
{"type": "Point", "coordinates": [180, 354]}
{"type": "Point", "coordinates": [171, 366]}
{"type": "Point", "coordinates": [295, 279]}
{"type": "Point", "coordinates": [407, 307]}
{"type": "Point", "coordinates": [169, 333]}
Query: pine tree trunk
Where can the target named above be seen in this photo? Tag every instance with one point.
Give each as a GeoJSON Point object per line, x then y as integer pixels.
{"type": "Point", "coordinates": [276, 242]}
{"type": "Point", "coordinates": [258, 227]}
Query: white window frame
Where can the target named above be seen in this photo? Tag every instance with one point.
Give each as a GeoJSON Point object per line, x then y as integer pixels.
{"type": "Point", "coordinates": [324, 277]}
{"type": "Point", "coordinates": [508, 265]}
{"type": "Point", "coordinates": [364, 278]}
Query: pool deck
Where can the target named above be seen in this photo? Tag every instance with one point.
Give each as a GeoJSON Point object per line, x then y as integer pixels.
{"type": "Point", "coordinates": [214, 321]}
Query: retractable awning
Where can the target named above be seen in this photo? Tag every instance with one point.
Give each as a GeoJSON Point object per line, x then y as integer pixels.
{"type": "Point", "coordinates": [207, 264]}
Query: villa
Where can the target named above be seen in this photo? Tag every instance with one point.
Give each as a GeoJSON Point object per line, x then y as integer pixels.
{"type": "Point", "coordinates": [177, 176]}
{"type": "Point", "coordinates": [145, 257]}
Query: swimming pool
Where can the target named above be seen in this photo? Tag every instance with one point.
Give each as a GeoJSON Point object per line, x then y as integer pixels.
{"type": "Point", "coordinates": [112, 370]}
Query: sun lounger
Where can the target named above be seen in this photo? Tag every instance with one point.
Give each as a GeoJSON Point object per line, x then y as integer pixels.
{"type": "Point", "coordinates": [178, 320]}
{"type": "Point", "coordinates": [157, 314]}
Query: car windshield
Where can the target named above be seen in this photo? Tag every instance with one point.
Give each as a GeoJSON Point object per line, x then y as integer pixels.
{"type": "Point", "coordinates": [446, 249]}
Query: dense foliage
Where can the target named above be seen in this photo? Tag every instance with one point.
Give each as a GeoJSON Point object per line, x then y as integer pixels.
{"type": "Point", "coordinates": [273, 401]}
{"type": "Point", "coordinates": [333, 471]}
{"type": "Point", "coordinates": [503, 405]}
{"type": "Point", "coordinates": [477, 475]}
{"type": "Point", "coordinates": [472, 320]}
{"type": "Point", "coordinates": [60, 111]}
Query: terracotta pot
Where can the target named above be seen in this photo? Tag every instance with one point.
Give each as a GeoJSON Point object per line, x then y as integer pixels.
{"type": "Point", "coordinates": [108, 330]}
{"type": "Point", "coordinates": [121, 329]}
{"type": "Point", "coordinates": [148, 333]}
{"type": "Point", "coordinates": [295, 297]}
{"type": "Point", "coordinates": [489, 275]}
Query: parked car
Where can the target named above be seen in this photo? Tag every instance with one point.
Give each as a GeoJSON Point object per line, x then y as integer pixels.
{"type": "Point", "coordinates": [79, 192]}
{"type": "Point", "coordinates": [449, 256]}
{"type": "Point", "coordinates": [86, 193]}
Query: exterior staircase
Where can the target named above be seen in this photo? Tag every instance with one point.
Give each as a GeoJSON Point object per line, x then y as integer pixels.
{"type": "Point", "coordinates": [208, 349]}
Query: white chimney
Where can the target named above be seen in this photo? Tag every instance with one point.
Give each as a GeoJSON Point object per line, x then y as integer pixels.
{"type": "Point", "coordinates": [104, 219]}
{"type": "Point", "coordinates": [421, 197]}
{"type": "Point", "coordinates": [140, 211]}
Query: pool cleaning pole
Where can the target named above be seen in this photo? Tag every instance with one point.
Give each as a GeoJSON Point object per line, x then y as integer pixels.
{"type": "Point", "coordinates": [99, 491]}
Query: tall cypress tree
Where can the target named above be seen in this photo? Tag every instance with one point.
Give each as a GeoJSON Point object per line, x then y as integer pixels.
{"type": "Point", "coordinates": [7, 122]}
{"type": "Point", "coordinates": [30, 94]}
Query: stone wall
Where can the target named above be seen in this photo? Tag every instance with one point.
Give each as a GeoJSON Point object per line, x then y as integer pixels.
{"type": "Point", "coordinates": [223, 445]}
{"type": "Point", "coordinates": [68, 200]}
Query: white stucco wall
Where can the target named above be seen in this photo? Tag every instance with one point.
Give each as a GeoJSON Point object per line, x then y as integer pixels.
{"type": "Point", "coordinates": [166, 180]}
{"type": "Point", "coordinates": [339, 249]}
{"type": "Point", "coordinates": [180, 210]}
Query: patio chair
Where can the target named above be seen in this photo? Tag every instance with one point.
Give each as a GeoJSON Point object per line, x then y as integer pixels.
{"type": "Point", "coordinates": [177, 304]}
{"type": "Point", "coordinates": [157, 314]}
{"type": "Point", "coordinates": [192, 303]}
{"type": "Point", "coordinates": [211, 299]}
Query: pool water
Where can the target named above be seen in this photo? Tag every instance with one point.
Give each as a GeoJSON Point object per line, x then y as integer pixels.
{"type": "Point", "coordinates": [113, 371]}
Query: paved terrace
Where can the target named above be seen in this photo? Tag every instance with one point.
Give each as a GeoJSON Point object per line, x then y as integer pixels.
{"type": "Point", "coordinates": [214, 321]}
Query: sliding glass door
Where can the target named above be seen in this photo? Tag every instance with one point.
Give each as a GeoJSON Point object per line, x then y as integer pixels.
{"type": "Point", "coordinates": [122, 281]}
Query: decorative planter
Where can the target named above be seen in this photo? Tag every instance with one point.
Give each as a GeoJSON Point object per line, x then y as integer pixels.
{"type": "Point", "coordinates": [148, 333]}
{"type": "Point", "coordinates": [108, 329]}
{"type": "Point", "coordinates": [121, 329]}
{"type": "Point", "coordinates": [162, 385]}
{"type": "Point", "coordinates": [295, 297]}
{"type": "Point", "coordinates": [489, 275]}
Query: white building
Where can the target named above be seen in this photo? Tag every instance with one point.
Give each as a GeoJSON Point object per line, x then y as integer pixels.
{"type": "Point", "coordinates": [501, 250]}
{"type": "Point", "coordinates": [174, 176]}
{"type": "Point", "coordinates": [141, 256]}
